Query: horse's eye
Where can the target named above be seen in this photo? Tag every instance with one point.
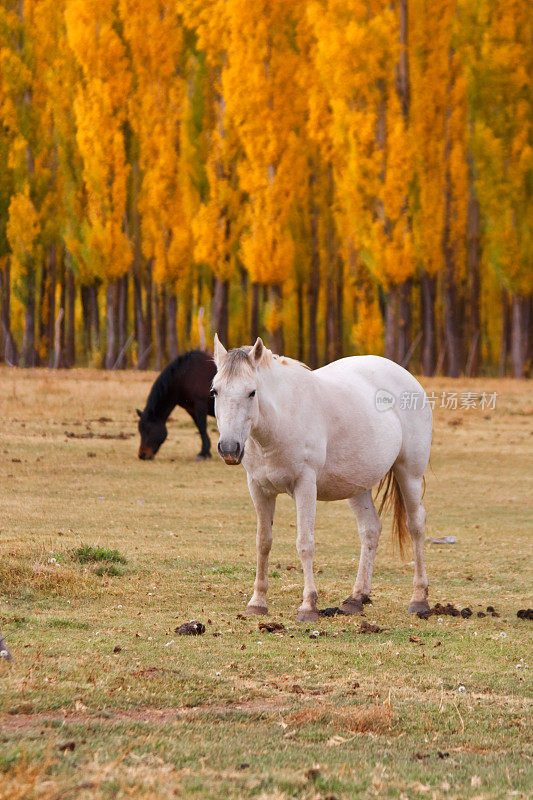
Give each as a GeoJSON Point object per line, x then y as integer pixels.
{"type": "Point", "coordinates": [252, 394]}
{"type": "Point", "coordinates": [214, 393]}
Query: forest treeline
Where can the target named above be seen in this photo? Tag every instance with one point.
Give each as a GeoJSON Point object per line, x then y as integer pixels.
{"type": "Point", "coordinates": [338, 176]}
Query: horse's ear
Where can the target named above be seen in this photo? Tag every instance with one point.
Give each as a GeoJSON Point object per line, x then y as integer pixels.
{"type": "Point", "coordinates": [139, 413]}
{"type": "Point", "coordinates": [219, 350]}
{"type": "Point", "coordinates": [257, 352]}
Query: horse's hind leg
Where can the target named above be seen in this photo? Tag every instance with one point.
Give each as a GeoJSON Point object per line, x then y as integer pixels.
{"type": "Point", "coordinates": [411, 489]}
{"type": "Point", "coordinates": [369, 527]}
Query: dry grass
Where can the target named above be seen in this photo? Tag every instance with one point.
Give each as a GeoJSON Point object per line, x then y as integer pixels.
{"type": "Point", "coordinates": [358, 719]}
{"type": "Point", "coordinates": [154, 715]}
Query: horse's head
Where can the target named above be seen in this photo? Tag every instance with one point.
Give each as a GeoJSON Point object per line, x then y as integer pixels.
{"type": "Point", "coordinates": [153, 434]}
{"type": "Point", "coordinates": [235, 391]}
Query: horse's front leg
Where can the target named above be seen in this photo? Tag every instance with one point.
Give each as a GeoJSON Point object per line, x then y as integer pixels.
{"type": "Point", "coordinates": [305, 497]}
{"type": "Point", "coordinates": [200, 419]}
{"type": "Point", "coordinates": [264, 505]}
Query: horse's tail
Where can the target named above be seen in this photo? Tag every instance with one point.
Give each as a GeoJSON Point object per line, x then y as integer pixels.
{"type": "Point", "coordinates": [392, 500]}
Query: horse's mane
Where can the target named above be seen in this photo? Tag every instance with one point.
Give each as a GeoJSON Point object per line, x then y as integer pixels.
{"type": "Point", "coordinates": [163, 384]}
{"type": "Point", "coordinates": [290, 362]}
{"type": "Point", "coordinates": [237, 360]}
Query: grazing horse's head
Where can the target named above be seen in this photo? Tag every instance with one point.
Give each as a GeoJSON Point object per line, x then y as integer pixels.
{"type": "Point", "coordinates": [153, 434]}
{"type": "Point", "coordinates": [235, 392]}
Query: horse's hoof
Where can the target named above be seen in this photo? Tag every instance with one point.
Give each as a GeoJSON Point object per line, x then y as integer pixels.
{"type": "Point", "coordinates": [255, 611]}
{"type": "Point", "coordinates": [307, 615]}
{"type": "Point", "coordinates": [353, 605]}
{"type": "Point", "coordinates": [419, 607]}
{"type": "Point", "coordinates": [201, 457]}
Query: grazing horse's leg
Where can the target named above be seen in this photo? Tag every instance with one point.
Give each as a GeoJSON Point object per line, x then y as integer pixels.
{"type": "Point", "coordinates": [265, 505]}
{"type": "Point", "coordinates": [369, 527]}
{"type": "Point", "coordinates": [200, 418]}
{"type": "Point", "coordinates": [411, 488]}
{"type": "Point", "coordinates": [305, 497]}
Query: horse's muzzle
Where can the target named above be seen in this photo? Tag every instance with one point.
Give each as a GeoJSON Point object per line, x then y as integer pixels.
{"type": "Point", "coordinates": [146, 454]}
{"type": "Point", "coordinates": [231, 452]}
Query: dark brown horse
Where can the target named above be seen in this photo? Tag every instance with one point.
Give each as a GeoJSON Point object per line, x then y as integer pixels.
{"type": "Point", "coordinates": [186, 382]}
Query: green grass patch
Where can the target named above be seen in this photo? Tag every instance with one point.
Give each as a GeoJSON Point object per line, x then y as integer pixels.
{"type": "Point", "coordinates": [87, 554]}
{"type": "Point", "coordinates": [74, 624]}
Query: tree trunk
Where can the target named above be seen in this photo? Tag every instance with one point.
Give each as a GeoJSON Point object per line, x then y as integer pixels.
{"type": "Point", "coordinates": [160, 326]}
{"type": "Point", "coordinates": [70, 326]}
{"type": "Point", "coordinates": [9, 350]}
{"type": "Point", "coordinates": [339, 352]}
{"type": "Point", "coordinates": [529, 338]}
{"type": "Point", "coordinates": [95, 315]}
{"type": "Point", "coordinates": [506, 332]}
{"type": "Point", "coordinates": [451, 326]}
{"type": "Point", "coordinates": [451, 306]}
{"type": "Point", "coordinates": [86, 316]}
{"type": "Point", "coordinates": [473, 267]}
{"type": "Point", "coordinates": [51, 296]}
{"type": "Point", "coordinates": [142, 319]}
{"type": "Point", "coordinates": [329, 326]}
{"type": "Point", "coordinates": [28, 342]}
{"type": "Point", "coordinates": [172, 325]}
{"type": "Point", "coordinates": [313, 286]}
{"type": "Point", "coordinates": [451, 321]}
{"type": "Point", "coordinates": [188, 313]}
{"type": "Point", "coordinates": [111, 325]}
{"type": "Point", "coordinates": [276, 335]}
{"type": "Point", "coordinates": [427, 304]}
{"type": "Point", "coordinates": [219, 310]}
{"type": "Point", "coordinates": [301, 323]}
{"type": "Point", "coordinates": [404, 326]}
{"type": "Point", "coordinates": [42, 347]}
{"type": "Point", "coordinates": [402, 75]}
{"type": "Point", "coordinates": [148, 287]}
{"type": "Point", "coordinates": [254, 315]}
{"type": "Point", "coordinates": [403, 340]}
{"type": "Point", "coordinates": [122, 358]}
{"type": "Point", "coordinates": [46, 313]}
{"type": "Point", "coordinates": [141, 327]}
{"type": "Point", "coordinates": [519, 334]}
{"type": "Point", "coordinates": [60, 343]}
{"type": "Point", "coordinates": [391, 324]}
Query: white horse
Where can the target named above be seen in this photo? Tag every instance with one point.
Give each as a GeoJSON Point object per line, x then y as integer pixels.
{"type": "Point", "coordinates": [328, 434]}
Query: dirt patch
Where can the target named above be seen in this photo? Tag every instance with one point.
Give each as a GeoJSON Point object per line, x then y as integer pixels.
{"type": "Point", "coordinates": [154, 672]}
{"type": "Point", "coordinates": [92, 435]}
{"type": "Point", "coordinates": [21, 723]}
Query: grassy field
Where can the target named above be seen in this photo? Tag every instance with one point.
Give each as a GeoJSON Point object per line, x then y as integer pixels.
{"type": "Point", "coordinates": [104, 700]}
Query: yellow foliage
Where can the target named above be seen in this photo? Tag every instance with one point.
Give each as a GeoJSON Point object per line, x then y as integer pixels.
{"type": "Point", "coordinates": [22, 229]}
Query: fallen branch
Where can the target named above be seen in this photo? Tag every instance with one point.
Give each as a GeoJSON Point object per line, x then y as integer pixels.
{"type": "Point", "coordinates": [120, 355]}
{"type": "Point", "coordinates": [409, 354]}
{"type": "Point", "coordinates": [57, 342]}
